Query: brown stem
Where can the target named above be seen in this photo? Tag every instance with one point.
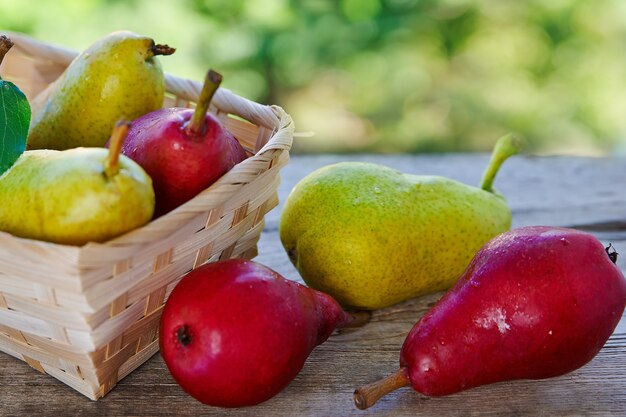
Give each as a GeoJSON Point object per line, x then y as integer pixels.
{"type": "Point", "coordinates": [162, 50]}
{"type": "Point", "coordinates": [356, 319]}
{"type": "Point", "coordinates": [197, 124]}
{"type": "Point", "coordinates": [111, 165]}
{"type": "Point", "coordinates": [5, 44]}
{"type": "Point", "coordinates": [366, 396]}
{"type": "Point", "coordinates": [612, 255]}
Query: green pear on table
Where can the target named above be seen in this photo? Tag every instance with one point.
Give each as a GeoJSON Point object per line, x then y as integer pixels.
{"type": "Point", "coordinates": [118, 77]}
{"type": "Point", "coordinates": [371, 236]}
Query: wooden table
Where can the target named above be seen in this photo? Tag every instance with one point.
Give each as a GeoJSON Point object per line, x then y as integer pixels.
{"type": "Point", "coordinates": [584, 193]}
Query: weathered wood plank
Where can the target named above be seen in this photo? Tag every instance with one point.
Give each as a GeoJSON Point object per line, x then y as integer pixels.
{"type": "Point", "coordinates": [559, 191]}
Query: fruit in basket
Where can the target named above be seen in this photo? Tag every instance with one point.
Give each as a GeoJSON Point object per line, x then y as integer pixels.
{"type": "Point", "coordinates": [75, 196]}
{"type": "Point", "coordinates": [534, 303]}
{"type": "Point", "coordinates": [371, 236]}
{"type": "Point", "coordinates": [118, 77]}
{"type": "Point", "coordinates": [235, 333]}
{"type": "Point", "coordinates": [183, 150]}
{"type": "Point", "coordinates": [14, 116]}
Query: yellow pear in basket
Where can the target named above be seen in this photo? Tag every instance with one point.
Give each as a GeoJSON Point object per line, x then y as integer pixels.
{"type": "Point", "coordinates": [118, 77]}
{"type": "Point", "coordinates": [75, 196]}
{"type": "Point", "coordinates": [371, 236]}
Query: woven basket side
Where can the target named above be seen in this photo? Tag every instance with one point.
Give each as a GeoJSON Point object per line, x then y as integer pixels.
{"type": "Point", "coordinates": [44, 263]}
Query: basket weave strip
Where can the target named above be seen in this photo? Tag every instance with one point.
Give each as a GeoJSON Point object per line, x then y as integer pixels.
{"type": "Point", "coordinates": [89, 315]}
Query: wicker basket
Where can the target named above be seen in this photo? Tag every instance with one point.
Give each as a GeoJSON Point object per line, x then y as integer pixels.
{"type": "Point", "coordinates": [89, 315]}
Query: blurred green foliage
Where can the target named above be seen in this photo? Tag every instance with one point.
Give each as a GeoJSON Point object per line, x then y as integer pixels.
{"type": "Point", "coordinates": [388, 75]}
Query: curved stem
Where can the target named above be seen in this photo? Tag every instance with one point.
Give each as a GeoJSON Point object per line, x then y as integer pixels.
{"type": "Point", "coordinates": [366, 396]}
{"type": "Point", "coordinates": [197, 124]}
{"type": "Point", "coordinates": [612, 255]}
{"type": "Point", "coordinates": [506, 146]}
{"type": "Point", "coordinates": [5, 44]}
{"type": "Point", "coordinates": [111, 164]}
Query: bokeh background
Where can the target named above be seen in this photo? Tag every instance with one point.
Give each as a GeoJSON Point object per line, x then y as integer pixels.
{"type": "Point", "coordinates": [388, 75]}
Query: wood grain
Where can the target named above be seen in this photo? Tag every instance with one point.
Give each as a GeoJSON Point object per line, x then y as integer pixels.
{"type": "Point", "coordinates": [585, 193]}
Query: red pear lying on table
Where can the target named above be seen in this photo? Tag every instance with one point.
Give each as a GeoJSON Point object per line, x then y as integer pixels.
{"type": "Point", "coordinates": [235, 333]}
{"type": "Point", "coordinates": [535, 302]}
{"type": "Point", "coordinates": [183, 150]}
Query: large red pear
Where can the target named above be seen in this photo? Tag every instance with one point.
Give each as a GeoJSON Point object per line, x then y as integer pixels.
{"type": "Point", "coordinates": [235, 333]}
{"type": "Point", "coordinates": [535, 302]}
{"type": "Point", "coordinates": [183, 150]}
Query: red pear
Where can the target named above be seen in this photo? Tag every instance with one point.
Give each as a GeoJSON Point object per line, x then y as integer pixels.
{"type": "Point", "coordinates": [183, 150]}
{"type": "Point", "coordinates": [235, 333]}
{"type": "Point", "coordinates": [535, 302]}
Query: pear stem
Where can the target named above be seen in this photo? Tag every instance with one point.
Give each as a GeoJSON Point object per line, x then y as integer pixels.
{"type": "Point", "coordinates": [612, 255]}
{"type": "Point", "coordinates": [5, 44]}
{"type": "Point", "coordinates": [197, 124]}
{"type": "Point", "coordinates": [111, 164]}
{"type": "Point", "coordinates": [162, 50]}
{"type": "Point", "coordinates": [506, 146]}
{"type": "Point", "coordinates": [366, 396]}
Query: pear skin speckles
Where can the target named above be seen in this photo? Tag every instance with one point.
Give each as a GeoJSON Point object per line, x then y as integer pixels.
{"type": "Point", "coordinates": [65, 197]}
{"type": "Point", "coordinates": [115, 78]}
{"type": "Point", "coordinates": [371, 236]}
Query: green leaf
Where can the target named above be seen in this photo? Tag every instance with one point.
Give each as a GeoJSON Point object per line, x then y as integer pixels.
{"type": "Point", "coordinates": [14, 122]}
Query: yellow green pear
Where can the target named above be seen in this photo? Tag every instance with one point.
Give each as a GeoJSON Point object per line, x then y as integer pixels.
{"type": "Point", "coordinates": [118, 77]}
{"type": "Point", "coordinates": [75, 196]}
{"type": "Point", "coordinates": [372, 236]}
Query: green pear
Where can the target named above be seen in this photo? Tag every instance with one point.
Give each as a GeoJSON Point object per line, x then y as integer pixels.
{"type": "Point", "coordinates": [372, 236]}
{"type": "Point", "coordinates": [75, 196]}
{"type": "Point", "coordinates": [118, 77]}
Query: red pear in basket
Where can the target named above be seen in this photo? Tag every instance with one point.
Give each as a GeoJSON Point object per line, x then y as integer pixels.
{"type": "Point", "coordinates": [235, 333]}
{"type": "Point", "coordinates": [183, 150]}
{"type": "Point", "coordinates": [535, 302]}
